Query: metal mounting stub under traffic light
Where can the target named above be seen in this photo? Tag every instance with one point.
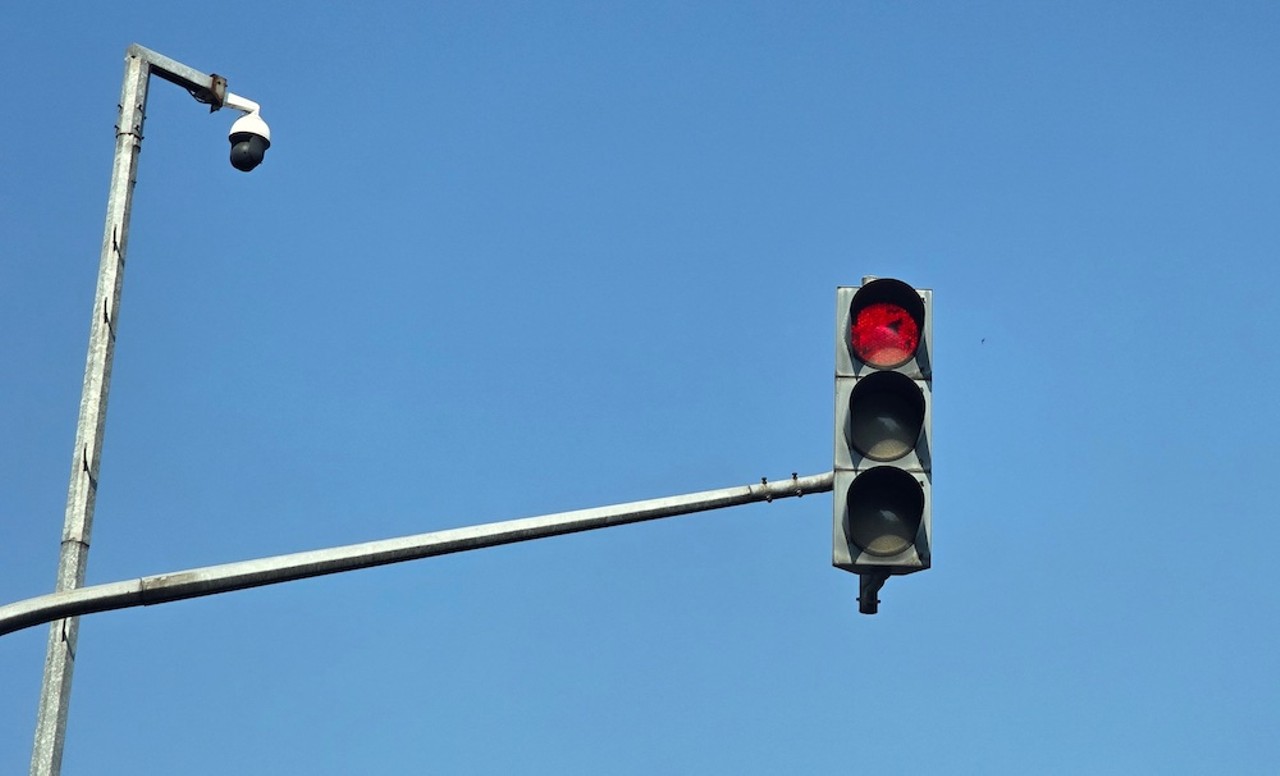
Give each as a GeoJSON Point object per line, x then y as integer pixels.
{"type": "Point", "coordinates": [883, 415]}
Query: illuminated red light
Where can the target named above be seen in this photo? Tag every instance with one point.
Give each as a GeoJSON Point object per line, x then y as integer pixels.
{"type": "Point", "coordinates": [884, 335]}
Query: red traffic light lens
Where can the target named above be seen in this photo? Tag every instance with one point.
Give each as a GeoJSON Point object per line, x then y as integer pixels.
{"type": "Point", "coordinates": [884, 335]}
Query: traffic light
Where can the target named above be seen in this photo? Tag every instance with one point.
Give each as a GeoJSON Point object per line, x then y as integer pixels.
{"type": "Point", "coordinates": [883, 462]}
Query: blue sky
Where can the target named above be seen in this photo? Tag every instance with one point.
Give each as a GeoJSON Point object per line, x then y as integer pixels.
{"type": "Point", "coordinates": [511, 259]}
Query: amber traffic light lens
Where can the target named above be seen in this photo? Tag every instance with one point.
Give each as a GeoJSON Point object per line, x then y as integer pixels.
{"type": "Point", "coordinates": [886, 412]}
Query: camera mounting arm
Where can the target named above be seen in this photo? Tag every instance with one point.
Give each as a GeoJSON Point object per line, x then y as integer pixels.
{"type": "Point", "coordinates": [239, 103]}
{"type": "Point", "coordinates": [210, 89]}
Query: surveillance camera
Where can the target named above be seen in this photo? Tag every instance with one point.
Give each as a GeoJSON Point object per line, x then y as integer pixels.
{"type": "Point", "coordinates": [250, 138]}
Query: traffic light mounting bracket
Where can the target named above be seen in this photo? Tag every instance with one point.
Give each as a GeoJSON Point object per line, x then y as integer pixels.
{"type": "Point", "coordinates": [869, 584]}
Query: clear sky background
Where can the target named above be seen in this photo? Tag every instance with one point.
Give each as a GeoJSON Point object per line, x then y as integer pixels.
{"type": "Point", "coordinates": [512, 259]}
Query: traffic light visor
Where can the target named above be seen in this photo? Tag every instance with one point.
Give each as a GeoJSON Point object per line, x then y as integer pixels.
{"type": "Point", "coordinates": [886, 319]}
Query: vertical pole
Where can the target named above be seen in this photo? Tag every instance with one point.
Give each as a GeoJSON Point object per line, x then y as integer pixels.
{"type": "Point", "coordinates": [55, 692]}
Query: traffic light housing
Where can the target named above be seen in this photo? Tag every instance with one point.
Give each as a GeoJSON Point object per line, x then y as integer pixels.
{"type": "Point", "coordinates": [882, 524]}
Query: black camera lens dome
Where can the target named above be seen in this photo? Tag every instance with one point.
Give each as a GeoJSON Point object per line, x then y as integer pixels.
{"type": "Point", "coordinates": [247, 150]}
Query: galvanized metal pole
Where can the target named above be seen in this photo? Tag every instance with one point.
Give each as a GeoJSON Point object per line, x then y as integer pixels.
{"type": "Point", "coordinates": [55, 693]}
{"type": "Point", "coordinates": [211, 580]}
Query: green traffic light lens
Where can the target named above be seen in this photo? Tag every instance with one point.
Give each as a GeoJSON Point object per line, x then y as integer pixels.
{"type": "Point", "coordinates": [886, 505]}
{"type": "Point", "coordinates": [886, 414]}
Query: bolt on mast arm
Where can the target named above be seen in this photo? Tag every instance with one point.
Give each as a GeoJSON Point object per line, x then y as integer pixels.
{"type": "Point", "coordinates": [224, 578]}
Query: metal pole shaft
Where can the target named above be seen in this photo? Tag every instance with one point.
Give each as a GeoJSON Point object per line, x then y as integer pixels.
{"type": "Point", "coordinates": [211, 580]}
{"type": "Point", "coordinates": [55, 693]}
